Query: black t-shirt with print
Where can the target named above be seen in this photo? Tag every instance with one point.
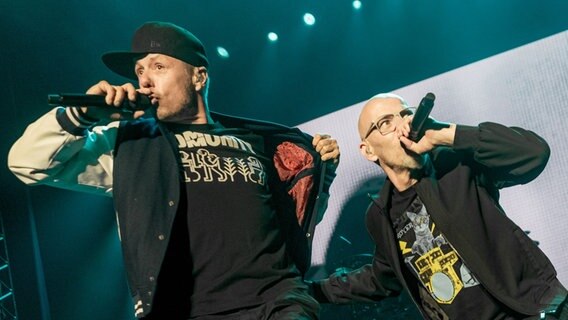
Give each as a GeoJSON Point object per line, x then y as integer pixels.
{"type": "Point", "coordinates": [437, 265]}
{"type": "Point", "coordinates": [237, 252]}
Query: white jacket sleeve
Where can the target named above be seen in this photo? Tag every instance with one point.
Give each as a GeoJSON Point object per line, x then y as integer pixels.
{"type": "Point", "coordinates": [60, 150]}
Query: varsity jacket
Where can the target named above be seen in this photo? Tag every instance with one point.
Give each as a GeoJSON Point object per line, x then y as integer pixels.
{"type": "Point", "coordinates": [461, 191]}
{"type": "Point", "coordinates": [138, 164]}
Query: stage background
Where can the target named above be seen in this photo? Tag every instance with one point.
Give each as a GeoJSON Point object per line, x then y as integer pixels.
{"type": "Point", "coordinates": [63, 247]}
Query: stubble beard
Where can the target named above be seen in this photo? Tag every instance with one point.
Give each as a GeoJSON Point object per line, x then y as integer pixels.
{"type": "Point", "coordinates": [406, 162]}
{"type": "Point", "coordinates": [185, 112]}
{"type": "Point", "coordinates": [413, 161]}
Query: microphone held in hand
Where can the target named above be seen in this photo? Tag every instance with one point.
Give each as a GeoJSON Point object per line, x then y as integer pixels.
{"type": "Point", "coordinates": [419, 119]}
{"type": "Point", "coordinates": [92, 100]}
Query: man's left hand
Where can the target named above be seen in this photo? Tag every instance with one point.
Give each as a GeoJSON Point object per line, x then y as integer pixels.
{"type": "Point", "coordinates": [327, 147]}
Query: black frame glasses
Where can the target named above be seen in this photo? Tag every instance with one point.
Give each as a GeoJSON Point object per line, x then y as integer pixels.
{"type": "Point", "coordinates": [384, 124]}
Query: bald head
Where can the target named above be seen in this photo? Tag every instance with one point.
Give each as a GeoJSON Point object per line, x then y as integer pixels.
{"type": "Point", "coordinates": [373, 107]}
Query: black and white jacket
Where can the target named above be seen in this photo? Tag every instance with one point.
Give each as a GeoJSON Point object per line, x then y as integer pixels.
{"type": "Point", "coordinates": [137, 163]}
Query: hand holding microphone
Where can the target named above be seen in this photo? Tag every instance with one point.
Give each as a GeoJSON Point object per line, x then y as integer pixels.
{"type": "Point", "coordinates": [105, 101]}
{"type": "Point", "coordinates": [440, 133]}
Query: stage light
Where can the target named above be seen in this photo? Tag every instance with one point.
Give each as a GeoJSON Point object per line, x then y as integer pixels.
{"type": "Point", "coordinates": [309, 19]}
{"type": "Point", "coordinates": [272, 36]}
{"type": "Point", "coordinates": [222, 52]}
{"type": "Point", "coordinates": [357, 4]}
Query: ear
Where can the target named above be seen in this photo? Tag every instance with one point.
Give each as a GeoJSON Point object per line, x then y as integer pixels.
{"type": "Point", "coordinates": [367, 151]}
{"type": "Point", "coordinates": [199, 78]}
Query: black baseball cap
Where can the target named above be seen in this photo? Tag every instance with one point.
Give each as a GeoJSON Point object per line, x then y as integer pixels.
{"type": "Point", "coordinates": [157, 37]}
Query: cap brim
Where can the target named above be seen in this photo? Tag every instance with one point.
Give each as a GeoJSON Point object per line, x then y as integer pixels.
{"type": "Point", "coordinates": [122, 63]}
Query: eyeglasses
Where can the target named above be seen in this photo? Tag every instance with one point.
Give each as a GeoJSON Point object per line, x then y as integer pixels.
{"type": "Point", "coordinates": [386, 124]}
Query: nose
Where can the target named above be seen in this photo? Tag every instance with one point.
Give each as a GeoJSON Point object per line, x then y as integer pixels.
{"type": "Point", "coordinates": [144, 80]}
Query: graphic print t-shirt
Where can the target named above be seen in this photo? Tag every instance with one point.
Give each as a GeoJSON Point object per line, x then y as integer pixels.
{"type": "Point", "coordinates": [237, 250]}
{"type": "Point", "coordinates": [436, 264]}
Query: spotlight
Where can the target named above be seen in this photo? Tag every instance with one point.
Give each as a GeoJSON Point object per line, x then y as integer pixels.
{"type": "Point", "coordinates": [309, 19]}
{"type": "Point", "coordinates": [222, 52]}
{"type": "Point", "coordinates": [357, 4]}
{"type": "Point", "coordinates": [272, 36]}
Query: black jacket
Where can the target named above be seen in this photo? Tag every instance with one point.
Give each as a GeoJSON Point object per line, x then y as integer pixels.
{"type": "Point", "coordinates": [461, 192]}
{"type": "Point", "coordinates": [147, 177]}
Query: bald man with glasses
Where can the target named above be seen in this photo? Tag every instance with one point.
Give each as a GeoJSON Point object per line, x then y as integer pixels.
{"type": "Point", "coordinates": [438, 228]}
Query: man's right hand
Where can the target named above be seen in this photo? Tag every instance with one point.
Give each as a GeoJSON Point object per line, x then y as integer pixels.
{"type": "Point", "coordinates": [114, 96]}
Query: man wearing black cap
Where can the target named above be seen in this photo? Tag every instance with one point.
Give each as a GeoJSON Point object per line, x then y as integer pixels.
{"type": "Point", "coordinates": [216, 213]}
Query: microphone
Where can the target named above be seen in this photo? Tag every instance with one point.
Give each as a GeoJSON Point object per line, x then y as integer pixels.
{"type": "Point", "coordinates": [92, 100]}
{"type": "Point", "coordinates": [419, 119]}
